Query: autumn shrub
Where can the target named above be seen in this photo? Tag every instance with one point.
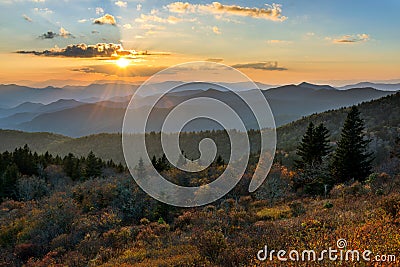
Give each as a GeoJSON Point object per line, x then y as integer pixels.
{"type": "Point", "coordinates": [297, 208]}
{"type": "Point", "coordinates": [31, 187]}
{"type": "Point", "coordinates": [274, 213]}
{"type": "Point", "coordinates": [210, 244]}
{"type": "Point", "coordinates": [25, 251]}
{"type": "Point", "coordinates": [381, 183]}
{"type": "Point", "coordinates": [95, 194]}
{"type": "Point", "coordinates": [391, 205]}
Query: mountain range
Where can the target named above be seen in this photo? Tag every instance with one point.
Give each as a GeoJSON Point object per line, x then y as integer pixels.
{"type": "Point", "coordinates": [100, 108]}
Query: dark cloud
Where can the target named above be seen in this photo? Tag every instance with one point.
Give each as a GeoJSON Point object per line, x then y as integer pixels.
{"type": "Point", "coordinates": [85, 51]}
{"type": "Point", "coordinates": [51, 35]}
{"type": "Point", "coordinates": [265, 65]}
{"type": "Point", "coordinates": [48, 35]}
{"type": "Point", "coordinates": [130, 71]}
{"type": "Point", "coordinates": [106, 19]}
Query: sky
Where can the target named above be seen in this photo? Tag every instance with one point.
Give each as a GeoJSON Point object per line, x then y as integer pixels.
{"type": "Point", "coordinates": [59, 42]}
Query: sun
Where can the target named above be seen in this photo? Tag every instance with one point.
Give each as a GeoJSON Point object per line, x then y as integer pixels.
{"type": "Point", "coordinates": [122, 62]}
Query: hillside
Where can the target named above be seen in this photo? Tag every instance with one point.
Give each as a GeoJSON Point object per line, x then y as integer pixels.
{"type": "Point", "coordinates": [40, 142]}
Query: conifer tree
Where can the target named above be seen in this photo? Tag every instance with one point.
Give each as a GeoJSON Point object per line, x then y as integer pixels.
{"type": "Point", "coordinates": [305, 148]}
{"type": "Point", "coordinates": [322, 147]}
{"type": "Point", "coordinates": [313, 173]}
{"type": "Point", "coordinates": [93, 166]}
{"type": "Point", "coordinates": [313, 147]}
{"type": "Point", "coordinates": [352, 159]}
{"type": "Point", "coordinates": [141, 169]}
{"type": "Point", "coordinates": [8, 181]}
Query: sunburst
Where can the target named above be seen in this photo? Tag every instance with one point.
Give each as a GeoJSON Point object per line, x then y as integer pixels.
{"type": "Point", "coordinates": [122, 62]}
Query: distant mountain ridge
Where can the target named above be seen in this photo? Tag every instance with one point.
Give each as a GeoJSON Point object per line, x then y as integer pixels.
{"type": "Point", "coordinates": [75, 118]}
{"type": "Point", "coordinates": [379, 86]}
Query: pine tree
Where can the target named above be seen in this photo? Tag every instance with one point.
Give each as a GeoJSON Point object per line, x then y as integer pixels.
{"type": "Point", "coordinates": [313, 147]}
{"type": "Point", "coordinates": [352, 159]}
{"type": "Point", "coordinates": [8, 181]}
{"type": "Point", "coordinates": [93, 166]}
{"type": "Point", "coordinates": [163, 164]}
{"type": "Point", "coordinates": [141, 169]}
{"type": "Point", "coordinates": [321, 140]}
{"type": "Point", "coordinates": [71, 167]}
{"type": "Point", "coordinates": [312, 168]}
{"type": "Point", "coordinates": [305, 149]}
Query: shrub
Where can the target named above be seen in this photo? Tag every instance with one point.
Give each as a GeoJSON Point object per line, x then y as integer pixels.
{"type": "Point", "coordinates": [328, 205]}
{"type": "Point", "coordinates": [29, 188]}
{"type": "Point", "coordinates": [274, 213]}
{"type": "Point", "coordinates": [297, 208]}
{"type": "Point", "coordinates": [25, 251]}
{"type": "Point", "coordinates": [210, 244]}
{"type": "Point", "coordinates": [391, 206]}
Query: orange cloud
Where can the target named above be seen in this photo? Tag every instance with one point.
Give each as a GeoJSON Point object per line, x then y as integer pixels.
{"type": "Point", "coordinates": [272, 12]}
{"type": "Point", "coordinates": [106, 19]}
{"type": "Point", "coordinates": [348, 39]}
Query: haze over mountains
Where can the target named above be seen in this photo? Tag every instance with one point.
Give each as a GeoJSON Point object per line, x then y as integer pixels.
{"type": "Point", "coordinates": [99, 108]}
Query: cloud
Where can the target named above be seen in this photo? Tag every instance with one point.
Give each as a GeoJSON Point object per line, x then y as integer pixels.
{"type": "Point", "coordinates": [180, 7]}
{"type": "Point", "coordinates": [99, 11]}
{"type": "Point", "coordinates": [28, 19]}
{"type": "Point", "coordinates": [265, 65]}
{"type": "Point", "coordinates": [154, 18]}
{"type": "Point", "coordinates": [282, 42]}
{"type": "Point", "coordinates": [130, 71]}
{"type": "Point", "coordinates": [82, 20]}
{"type": "Point", "coordinates": [48, 35]}
{"type": "Point", "coordinates": [121, 4]}
{"type": "Point", "coordinates": [349, 39]}
{"type": "Point", "coordinates": [216, 30]}
{"type": "Point", "coordinates": [43, 10]}
{"type": "Point", "coordinates": [102, 50]}
{"type": "Point", "coordinates": [106, 19]}
{"type": "Point", "coordinates": [64, 33]}
{"type": "Point", "coordinates": [51, 35]}
{"type": "Point", "coordinates": [271, 12]}
{"type": "Point", "coordinates": [139, 7]}
{"type": "Point", "coordinates": [127, 26]}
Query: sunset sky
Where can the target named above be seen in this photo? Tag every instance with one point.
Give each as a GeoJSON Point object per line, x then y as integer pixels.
{"type": "Point", "coordinates": [333, 42]}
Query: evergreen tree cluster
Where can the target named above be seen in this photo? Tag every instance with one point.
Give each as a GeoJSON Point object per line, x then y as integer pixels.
{"type": "Point", "coordinates": [319, 169]}
{"type": "Point", "coordinates": [24, 162]}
